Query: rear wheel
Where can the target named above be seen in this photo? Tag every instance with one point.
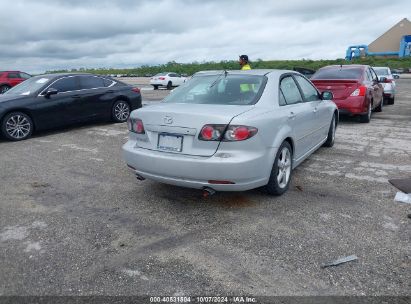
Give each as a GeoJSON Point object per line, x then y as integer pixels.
{"type": "Point", "coordinates": [17, 126]}
{"type": "Point", "coordinates": [379, 108]}
{"type": "Point", "coordinates": [169, 85]}
{"type": "Point", "coordinates": [281, 172]}
{"type": "Point", "coordinates": [120, 111]}
{"type": "Point", "coordinates": [155, 87]}
{"type": "Point", "coordinates": [331, 133]}
{"type": "Point", "coordinates": [390, 101]}
{"type": "Point", "coordinates": [4, 88]}
{"type": "Point", "coordinates": [366, 117]}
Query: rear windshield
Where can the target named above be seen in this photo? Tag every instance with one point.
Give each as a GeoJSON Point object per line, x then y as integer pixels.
{"type": "Point", "coordinates": [161, 74]}
{"type": "Point", "coordinates": [337, 73]}
{"type": "Point", "coordinates": [219, 89]}
{"type": "Point", "coordinates": [382, 72]}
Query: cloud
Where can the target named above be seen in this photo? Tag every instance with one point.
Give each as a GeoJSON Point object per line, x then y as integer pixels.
{"type": "Point", "coordinates": [44, 34]}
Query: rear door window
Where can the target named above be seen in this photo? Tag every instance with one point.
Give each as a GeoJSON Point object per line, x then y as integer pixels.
{"type": "Point", "coordinates": [290, 90]}
{"type": "Point", "coordinates": [24, 75]}
{"type": "Point", "coordinates": [310, 93]}
{"type": "Point", "coordinates": [91, 82]}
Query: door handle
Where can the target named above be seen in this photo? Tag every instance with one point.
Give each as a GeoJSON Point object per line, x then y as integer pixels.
{"type": "Point", "coordinates": [292, 115]}
{"type": "Point", "coordinates": [315, 110]}
{"type": "Point", "coordinates": [76, 96]}
{"type": "Point", "coordinates": [110, 91]}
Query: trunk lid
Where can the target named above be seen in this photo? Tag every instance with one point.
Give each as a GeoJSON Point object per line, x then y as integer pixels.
{"type": "Point", "coordinates": [174, 128]}
{"type": "Point", "coordinates": [341, 88]}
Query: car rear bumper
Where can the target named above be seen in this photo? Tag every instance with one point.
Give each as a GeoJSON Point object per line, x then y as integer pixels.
{"type": "Point", "coordinates": [159, 83]}
{"type": "Point", "coordinates": [245, 170]}
{"type": "Point", "coordinates": [353, 105]}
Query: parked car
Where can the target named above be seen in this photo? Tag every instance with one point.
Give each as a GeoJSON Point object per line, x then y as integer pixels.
{"type": "Point", "coordinates": [168, 80]}
{"type": "Point", "coordinates": [356, 88]}
{"type": "Point", "coordinates": [305, 71]}
{"type": "Point", "coordinates": [388, 82]}
{"type": "Point", "coordinates": [9, 79]}
{"type": "Point", "coordinates": [231, 131]}
{"type": "Point", "coordinates": [47, 101]}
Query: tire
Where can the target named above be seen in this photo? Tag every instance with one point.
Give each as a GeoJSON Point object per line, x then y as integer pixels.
{"type": "Point", "coordinates": [282, 170]}
{"type": "Point", "coordinates": [331, 133]}
{"type": "Point", "coordinates": [4, 88]}
{"type": "Point", "coordinates": [17, 126]}
{"type": "Point", "coordinates": [155, 87]}
{"type": "Point", "coordinates": [390, 101]}
{"type": "Point", "coordinates": [120, 111]}
{"type": "Point", "coordinates": [380, 106]}
{"type": "Point", "coordinates": [366, 118]}
{"type": "Point", "coordinates": [169, 85]}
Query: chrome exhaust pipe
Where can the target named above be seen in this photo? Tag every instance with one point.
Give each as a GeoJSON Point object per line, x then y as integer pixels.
{"type": "Point", "coordinates": [139, 177]}
{"type": "Point", "coordinates": [207, 192]}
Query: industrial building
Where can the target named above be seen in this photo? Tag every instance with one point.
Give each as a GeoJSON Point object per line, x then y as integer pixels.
{"type": "Point", "coordinates": [396, 42]}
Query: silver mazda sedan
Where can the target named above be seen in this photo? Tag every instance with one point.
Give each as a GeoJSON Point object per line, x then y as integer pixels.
{"type": "Point", "coordinates": [231, 131]}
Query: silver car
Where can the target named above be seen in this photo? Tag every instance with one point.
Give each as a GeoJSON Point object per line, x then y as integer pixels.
{"type": "Point", "coordinates": [388, 82]}
{"type": "Point", "coordinates": [231, 131]}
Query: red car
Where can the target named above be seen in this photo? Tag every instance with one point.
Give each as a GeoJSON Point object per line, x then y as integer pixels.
{"type": "Point", "coordinates": [356, 88]}
{"type": "Point", "coordinates": [9, 79]}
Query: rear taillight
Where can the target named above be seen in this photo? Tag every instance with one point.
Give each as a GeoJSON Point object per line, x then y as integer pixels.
{"type": "Point", "coordinates": [387, 80]}
{"type": "Point", "coordinates": [224, 133]}
{"type": "Point", "coordinates": [162, 78]}
{"type": "Point", "coordinates": [212, 132]}
{"type": "Point", "coordinates": [237, 133]}
{"type": "Point", "coordinates": [359, 91]}
{"type": "Point", "coordinates": [139, 127]}
{"type": "Point", "coordinates": [135, 125]}
{"type": "Point", "coordinates": [137, 90]}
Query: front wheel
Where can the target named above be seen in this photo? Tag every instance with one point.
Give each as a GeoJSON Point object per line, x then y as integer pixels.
{"type": "Point", "coordinates": [17, 126]}
{"type": "Point", "coordinates": [169, 85]}
{"type": "Point", "coordinates": [281, 172]}
{"type": "Point", "coordinates": [155, 87]}
{"type": "Point", "coordinates": [331, 134]}
{"type": "Point", "coordinates": [120, 111]}
{"type": "Point", "coordinates": [390, 101]}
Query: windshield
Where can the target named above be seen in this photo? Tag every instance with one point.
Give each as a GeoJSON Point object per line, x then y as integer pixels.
{"type": "Point", "coordinates": [338, 73]}
{"type": "Point", "coordinates": [219, 89]}
{"type": "Point", "coordinates": [381, 72]}
{"type": "Point", "coordinates": [28, 86]}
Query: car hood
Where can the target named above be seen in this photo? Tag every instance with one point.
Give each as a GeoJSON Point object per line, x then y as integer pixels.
{"type": "Point", "coordinates": [6, 98]}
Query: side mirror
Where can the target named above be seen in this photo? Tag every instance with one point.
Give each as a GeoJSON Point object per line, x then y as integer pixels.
{"type": "Point", "coordinates": [50, 91]}
{"type": "Point", "coordinates": [327, 95]}
{"type": "Point", "coordinates": [396, 76]}
{"type": "Point", "coordinates": [383, 79]}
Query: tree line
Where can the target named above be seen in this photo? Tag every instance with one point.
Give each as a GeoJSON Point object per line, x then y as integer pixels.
{"type": "Point", "coordinates": [192, 68]}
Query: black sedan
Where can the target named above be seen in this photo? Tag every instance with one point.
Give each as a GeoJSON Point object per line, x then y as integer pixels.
{"type": "Point", "coordinates": [55, 100]}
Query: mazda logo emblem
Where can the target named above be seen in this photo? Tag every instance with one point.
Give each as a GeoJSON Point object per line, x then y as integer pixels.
{"type": "Point", "coordinates": [168, 120]}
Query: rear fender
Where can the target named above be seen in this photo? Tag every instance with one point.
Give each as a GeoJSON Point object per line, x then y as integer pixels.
{"type": "Point", "coordinates": [282, 135]}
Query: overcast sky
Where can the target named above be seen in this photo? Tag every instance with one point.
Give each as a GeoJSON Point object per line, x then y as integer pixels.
{"type": "Point", "coordinates": [40, 35]}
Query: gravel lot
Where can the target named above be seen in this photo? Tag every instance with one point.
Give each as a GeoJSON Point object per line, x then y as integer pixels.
{"type": "Point", "coordinates": [75, 221]}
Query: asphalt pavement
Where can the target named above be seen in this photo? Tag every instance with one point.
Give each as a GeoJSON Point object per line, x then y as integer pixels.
{"type": "Point", "coordinates": [75, 221]}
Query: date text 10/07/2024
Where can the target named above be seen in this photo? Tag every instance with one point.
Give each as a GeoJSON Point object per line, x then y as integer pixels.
{"type": "Point", "coordinates": [187, 299]}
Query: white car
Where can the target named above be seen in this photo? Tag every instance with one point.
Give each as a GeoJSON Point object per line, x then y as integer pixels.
{"type": "Point", "coordinates": [387, 80]}
{"type": "Point", "coordinates": [231, 131]}
{"type": "Point", "coordinates": [168, 80]}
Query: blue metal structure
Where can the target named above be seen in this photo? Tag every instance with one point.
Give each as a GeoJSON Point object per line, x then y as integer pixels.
{"type": "Point", "coordinates": [357, 51]}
